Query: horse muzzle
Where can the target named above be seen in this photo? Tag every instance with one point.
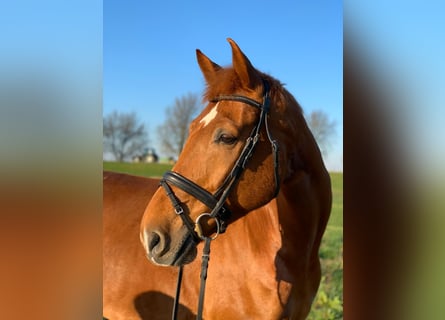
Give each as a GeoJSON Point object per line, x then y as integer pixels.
{"type": "Point", "coordinates": [163, 249]}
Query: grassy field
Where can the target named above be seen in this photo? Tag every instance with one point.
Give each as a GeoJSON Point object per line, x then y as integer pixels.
{"type": "Point", "coordinates": [328, 305]}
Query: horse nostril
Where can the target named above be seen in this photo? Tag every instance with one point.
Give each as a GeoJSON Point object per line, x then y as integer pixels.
{"type": "Point", "coordinates": [153, 241]}
{"type": "Point", "coordinates": [158, 243]}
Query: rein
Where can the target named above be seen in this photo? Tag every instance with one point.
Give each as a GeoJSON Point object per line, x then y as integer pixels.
{"type": "Point", "coordinates": [216, 202]}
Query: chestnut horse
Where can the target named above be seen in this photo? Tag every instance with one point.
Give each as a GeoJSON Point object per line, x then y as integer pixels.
{"type": "Point", "coordinates": [251, 166]}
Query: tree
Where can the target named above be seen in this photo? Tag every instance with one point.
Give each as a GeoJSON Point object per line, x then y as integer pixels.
{"type": "Point", "coordinates": [173, 133]}
{"type": "Point", "coordinates": [123, 135]}
{"type": "Point", "coordinates": [322, 128]}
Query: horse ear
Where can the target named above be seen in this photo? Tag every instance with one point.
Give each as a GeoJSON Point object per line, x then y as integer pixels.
{"type": "Point", "coordinates": [207, 66]}
{"type": "Point", "coordinates": [243, 68]}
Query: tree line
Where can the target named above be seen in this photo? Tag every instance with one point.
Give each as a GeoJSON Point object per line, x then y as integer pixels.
{"type": "Point", "coordinates": [125, 136]}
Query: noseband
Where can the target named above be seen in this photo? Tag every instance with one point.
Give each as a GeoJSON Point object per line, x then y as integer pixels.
{"type": "Point", "coordinates": [216, 202]}
{"type": "Point", "coordinates": [220, 213]}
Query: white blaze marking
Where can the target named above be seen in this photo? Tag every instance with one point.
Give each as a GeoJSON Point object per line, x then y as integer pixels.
{"type": "Point", "coordinates": [210, 116]}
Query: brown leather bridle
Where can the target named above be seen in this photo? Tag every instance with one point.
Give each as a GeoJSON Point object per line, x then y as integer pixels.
{"type": "Point", "coordinates": [217, 201]}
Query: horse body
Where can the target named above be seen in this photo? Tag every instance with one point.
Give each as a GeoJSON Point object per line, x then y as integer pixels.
{"type": "Point", "coordinates": [266, 265]}
{"type": "Point", "coordinates": [126, 273]}
{"type": "Point", "coordinates": [251, 274]}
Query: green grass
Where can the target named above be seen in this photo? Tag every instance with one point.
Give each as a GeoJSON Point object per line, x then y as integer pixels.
{"type": "Point", "coordinates": [328, 304]}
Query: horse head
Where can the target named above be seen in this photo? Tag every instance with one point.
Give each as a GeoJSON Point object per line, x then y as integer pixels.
{"type": "Point", "coordinates": [236, 156]}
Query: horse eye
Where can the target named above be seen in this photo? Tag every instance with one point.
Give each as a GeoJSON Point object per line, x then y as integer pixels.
{"type": "Point", "coordinates": [227, 139]}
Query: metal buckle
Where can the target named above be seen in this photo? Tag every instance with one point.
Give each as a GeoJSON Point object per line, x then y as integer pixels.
{"type": "Point", "coordinates": [198, 227]}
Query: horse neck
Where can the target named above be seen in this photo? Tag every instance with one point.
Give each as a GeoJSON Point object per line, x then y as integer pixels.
{"type": "Point", "coordinates": [304, 201]}
{"type": "Point", "coordinates": [256, 234]}
{"type": "Point", "coordinates": [282, 230]}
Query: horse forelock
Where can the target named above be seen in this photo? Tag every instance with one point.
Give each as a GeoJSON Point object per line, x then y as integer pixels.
{"type": "Point", "coordinates": [227, 82]}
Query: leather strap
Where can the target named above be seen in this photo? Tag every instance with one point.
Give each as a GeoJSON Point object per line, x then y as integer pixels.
{"type": "Point", "coordinates": [222, 214]}
{"type": "Point", "coordinates": [177, 294]}
{"type": "Point", "coordinates": [204, 266]}
{"type": "Point", "coordinates": [217, 201]}
{"type": "Point", "coordinates": [179, 210]}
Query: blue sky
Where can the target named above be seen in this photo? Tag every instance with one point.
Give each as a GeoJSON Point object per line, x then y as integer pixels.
{"type": "Point", "coordinates": [149, 53]}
